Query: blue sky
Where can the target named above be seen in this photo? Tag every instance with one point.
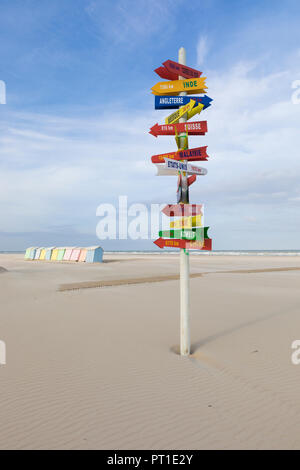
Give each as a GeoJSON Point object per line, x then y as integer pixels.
{"type": "Point", "coordinates": [74, 130]}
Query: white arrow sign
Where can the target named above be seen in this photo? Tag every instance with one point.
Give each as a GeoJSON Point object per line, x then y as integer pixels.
{"type": "Point", "coordinates": [171, 167]}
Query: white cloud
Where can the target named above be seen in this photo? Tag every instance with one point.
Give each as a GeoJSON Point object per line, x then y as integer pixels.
{"type": "Point", "coordinates": [132, 20]}
{"type": "Point", "coordinates": [202, 50]}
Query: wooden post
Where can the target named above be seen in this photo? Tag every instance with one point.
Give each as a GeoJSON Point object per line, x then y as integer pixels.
{"type": "Point", "coordinates": [184, 254]}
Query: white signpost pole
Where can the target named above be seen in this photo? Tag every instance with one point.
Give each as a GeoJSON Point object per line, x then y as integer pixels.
{"type": "Point", "coordinates": [184, 261]}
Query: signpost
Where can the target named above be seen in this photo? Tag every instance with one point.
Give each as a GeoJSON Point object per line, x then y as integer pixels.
{"type": "Point", "coordinates": [192, 128]}
{"type": "Point", "coordinates": [194, 85]}
{"type": "Point", "coordinates": [186, 232]}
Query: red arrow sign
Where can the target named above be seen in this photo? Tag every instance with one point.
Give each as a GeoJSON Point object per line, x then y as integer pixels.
{"type": "Point", "coordinates": [164, 73]}
{"type": "Point", "coordinates": [181, 70]}
{"type": "Point", "coordinates": [190, 155]}
{"type": "Point", "coordinates": [193, 128]}
{"type": "Point", "coordinates": [174, 210]}
{"type": "Point", "coordinates": [206, 244]}
{"type": "Point", "coordinates": [191, 180]}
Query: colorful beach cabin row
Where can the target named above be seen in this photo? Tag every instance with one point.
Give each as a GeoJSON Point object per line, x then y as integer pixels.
{"type": "Point", "coordinates": [91, 254]}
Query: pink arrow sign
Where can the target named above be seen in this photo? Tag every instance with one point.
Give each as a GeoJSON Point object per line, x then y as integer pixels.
{"type": "Point", "coordinates": [182, 210]}
{"type": "Point", "coordinates": [193, 128]}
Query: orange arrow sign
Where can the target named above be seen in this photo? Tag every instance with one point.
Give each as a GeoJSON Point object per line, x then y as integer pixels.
{"type": "Point", "coordinates": [194, 85]}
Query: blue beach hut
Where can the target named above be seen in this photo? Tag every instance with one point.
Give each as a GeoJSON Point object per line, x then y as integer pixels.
{"type": "Point", "coordinates": [49, 253]}
{"type": "Point", "coordinates": [94, 254]}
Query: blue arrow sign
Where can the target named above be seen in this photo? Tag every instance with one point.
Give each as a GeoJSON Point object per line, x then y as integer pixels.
{"type": "Point", "coordinates": [173, 102]}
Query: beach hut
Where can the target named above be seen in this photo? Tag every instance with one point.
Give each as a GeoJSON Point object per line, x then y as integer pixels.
{"type": "Point", "coordinates": [75, 254]}
{"type": "Point", "coordinates": [30, 253]}
{"type": "Point", "coordinates": [38, 253]}
{"type": "Point", "coordinates": [43, 254]}
{"type": "Point", "coordinates": [27, 253]}
{"type": "Point", "coordinates": [68, 253]}
{"type": "Point", "coordinates": [49, 252]}
{"type": "Point", "coordinates": [54, 254]}
{"type": "Point", "coordinates": [94, 254]}
{"type": "Point", "coordinates": [60, 254]}
{"type": "Point", "coordinates": [82, 256]}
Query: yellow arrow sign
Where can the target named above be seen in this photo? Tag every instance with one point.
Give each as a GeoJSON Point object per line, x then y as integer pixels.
{"type": "Point", "coordinates": [195, 110]}
{"type": "Point", "coordinates": [174, 117]}
{"type": "Point", "coordinates": [187, 222]}
{"type": "Point", "coordinates": [194, 85]}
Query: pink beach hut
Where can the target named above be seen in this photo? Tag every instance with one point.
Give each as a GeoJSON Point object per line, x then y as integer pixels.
{"type": "Point", "coordinates": [68, 253]}
{"type": "Point", "coordinates": [75, 254]}
{"type": "Point", "coordinates": [82, 256]}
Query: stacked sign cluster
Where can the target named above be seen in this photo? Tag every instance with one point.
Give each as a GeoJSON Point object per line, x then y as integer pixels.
{"type": "Point", "coordinates": [187, 230]}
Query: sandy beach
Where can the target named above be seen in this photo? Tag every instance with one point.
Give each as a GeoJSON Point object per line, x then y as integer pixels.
{"type": "Point", "coordinates": [92, 358]}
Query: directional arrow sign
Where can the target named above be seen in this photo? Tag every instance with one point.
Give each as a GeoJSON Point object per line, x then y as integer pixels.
{"type": "Point", "coordinates": [191, 179]}
{"type": "Point", "coordinates": [171, 167]}
{"type": "Point", "coordinates": [194, 111]}
{"type": "Point", "coordinates": [186, 234]}
{"type": "Point", "coordinates": [206, 244]}
{"type": "Point", "coordinates": [164, 73]}
{"type": "Point", "coordinates": [192, 155]}
{"type": "Point", "coordinates": [172, 71]}
{"type": "Point", "coordinates": [175, 210]}
{"type": "Point", "coordinates": [197, 154]}
{"type": "Point", "coordinates": [174, 117]}
{"type": "Point", "coordinates": [181, 70]}
{"type": "Point", "coordinates": [173, 102]}
{"type": "Point", "coordinates": [192, 128]}
{"type": "Point", "coordinates": [187, 222]}
{"type": "Point", "coordinates": [194, 85]}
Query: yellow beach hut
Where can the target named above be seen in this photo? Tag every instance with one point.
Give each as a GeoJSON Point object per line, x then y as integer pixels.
{"type": "Point", "coordinates": [54, 254]}
{"type": "Point", "coordinates": [43, 254]}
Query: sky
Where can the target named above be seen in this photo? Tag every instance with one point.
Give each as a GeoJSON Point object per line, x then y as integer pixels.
{"type": "Point", "coordinates": [74, 129]}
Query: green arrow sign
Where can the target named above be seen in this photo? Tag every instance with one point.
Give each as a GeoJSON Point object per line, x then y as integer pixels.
{"type": "Point", "coordinates": [187, 234]}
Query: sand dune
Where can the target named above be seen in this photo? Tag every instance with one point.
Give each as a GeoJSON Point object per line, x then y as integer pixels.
{"type": "Point", "coordinates": [99, 368]}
